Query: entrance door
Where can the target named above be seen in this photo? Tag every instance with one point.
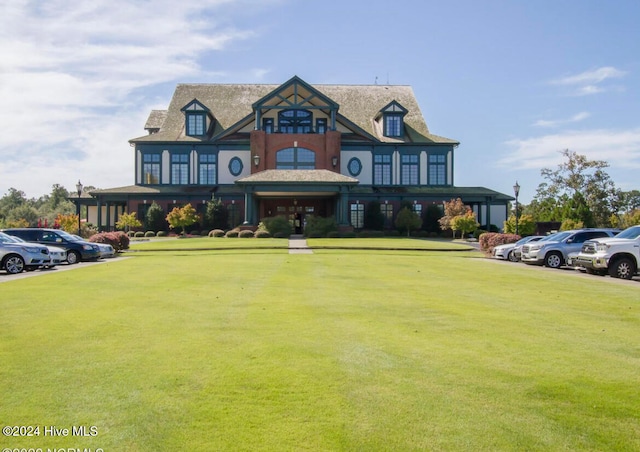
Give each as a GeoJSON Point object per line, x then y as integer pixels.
{"type": "Point", "coordinates": [296, 209]}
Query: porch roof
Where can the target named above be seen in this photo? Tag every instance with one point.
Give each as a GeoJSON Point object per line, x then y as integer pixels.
{"type": "Point", "coordinates": [297, 177]}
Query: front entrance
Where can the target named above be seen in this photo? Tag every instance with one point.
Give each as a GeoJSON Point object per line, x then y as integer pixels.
{"type": "Point", "coordinates": [296, 209]}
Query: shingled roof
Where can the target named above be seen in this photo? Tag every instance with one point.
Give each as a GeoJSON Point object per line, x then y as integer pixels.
{"type": "Point", "coordinates": [231, 103]}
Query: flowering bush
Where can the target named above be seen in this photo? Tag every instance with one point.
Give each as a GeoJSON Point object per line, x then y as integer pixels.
{"type": "Point", "coordinates": [489, 240]}
{"type": "Point", "coordinates": [118, 240]}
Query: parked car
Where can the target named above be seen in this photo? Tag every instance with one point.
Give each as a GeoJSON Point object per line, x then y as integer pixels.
{"type": "Point", "coordinates": [554, 250]}
{"type": "Point", "coordinates": [619, 256]}
{"type": "Point", "coordinates": [16, 257]}
{"type": "Point", "coordinates": [512, 251]}
{"type": "Point", "coordinates": [106, 250]}
{"type": "Point", "coordinates": [77, 250]}
{"type": "Point", "coordinates": [57, 255]}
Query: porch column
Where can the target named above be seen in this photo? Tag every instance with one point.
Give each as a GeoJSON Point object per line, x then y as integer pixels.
{"type": "Point", "coordinates": [342, 211]}
{"type": "Point", "coordinates": [99, 215]}
{"type": "Point", "coordinates": [249, 209]}
{"type": "Point", "coordinates": [108, 216]}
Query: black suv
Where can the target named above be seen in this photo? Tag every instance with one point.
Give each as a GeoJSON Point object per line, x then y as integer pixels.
{"type": "Point", "coordinates": [77, 250]}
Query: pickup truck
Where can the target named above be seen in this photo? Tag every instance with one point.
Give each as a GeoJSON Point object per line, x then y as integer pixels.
{"type": "Point", "coordinates": [619, 256]}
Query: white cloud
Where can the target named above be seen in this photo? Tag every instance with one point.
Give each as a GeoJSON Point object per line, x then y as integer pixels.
{"type": "Point", "coordinates": [590, 82]}
{"type": "Point", "coordinates": [559, 122]}
{"type": "Point", "coordinates": [71, 76]}
{"type": "Point", "coordinates": [619, 148]}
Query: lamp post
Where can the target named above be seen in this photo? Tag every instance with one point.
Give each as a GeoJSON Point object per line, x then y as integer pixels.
{"type": "Point", "coordinates": [516, 190]}
{"type": "Point", "coordinates": [79, 190]}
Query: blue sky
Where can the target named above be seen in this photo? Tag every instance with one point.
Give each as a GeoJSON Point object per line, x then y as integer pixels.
{"type": "Point", "coordinates": [515, 82]}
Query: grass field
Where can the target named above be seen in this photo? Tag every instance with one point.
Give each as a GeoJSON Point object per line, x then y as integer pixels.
{"type": "Point", "coordinates": [257, 349]}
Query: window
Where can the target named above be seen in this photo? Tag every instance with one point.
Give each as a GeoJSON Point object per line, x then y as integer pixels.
{"type": "Point", "coordinates": [267, 125]}
{"type": "Point", "coordinates": [437, 170]}
{"type": "Point", "coordinates": [387, 211]}
{"type": "Point", "coordinates": [409, 170]}
{"type": "Point", "coordinates": [207, 169]}
{"type": "Point", "coordinates": [235, 166]}
{"type": "Point", "coordinates": [294, 121]}
{"type": "Point", "coordinates": [195, 124]}
{"type": "Point", "coordinates": [354, 166]}
{"type": "Point", "coordinates": [295, 158]}
{"type": "Point", "coordinates": [382, 169]}
{"type": "Point", "coordinates": [234, 218]}
{"type": "Point", "coordinates": [151, 168]}
{"type": "Point", "coordinates": [321, 125]}
{"type": "Point", "coordinates": [393, 125]}
{"type": "Point", "coordinates": [179, 169]}
{"type": "Point", "coordinates": [417, 208]}
{"type": "Point", "coordinates": [357, 215]}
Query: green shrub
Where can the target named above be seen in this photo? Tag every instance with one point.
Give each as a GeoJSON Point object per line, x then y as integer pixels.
{"type": "Point", "coordinates": [139, 234]}
{"type": "Point", "coordinates": [334, 235]}
{"type": "Point", "coordinates": [280, 235]}
{"type": "Point", "coordinates": [149, 234]}
{"type": "Point", "coordinates": [233, 233]}
{"type": "Point", "coordinates": [349, 235]}
{"type": "Point", "coordinates": [279, 225]}
{"type": "Point", "coordinates": [262, 234]}
{"type": "Point", "coordinates": [216, 233]}
{"type": "Point", "coordinates": [131, 234]}
{"type": "Point", "coordinates": [246, 234]}
{"type": "Point", "coordinates": [392, 233]}
{"type": "Point", "coordinates": [319, 226]}
{"type": "Point", "coordinates": [204, 233]}
{"type": "Point", "coordinates": [162, 234]}
{"type": "Point", "coordinates": [370, 234]}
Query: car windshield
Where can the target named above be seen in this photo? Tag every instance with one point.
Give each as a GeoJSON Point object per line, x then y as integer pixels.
{"type": "Point", "coordinates": [560, 236]}
{"type": "Point", "coordinates": [630, 233]}
{"type": "Point", "coordinates": [68, 236]}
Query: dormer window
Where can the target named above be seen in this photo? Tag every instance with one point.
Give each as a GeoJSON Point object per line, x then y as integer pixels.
{"type": "Point", "coordinates": [267, 125]}
{"type": "Point", "coordinates": [393, 120]}
{"type": "Point", "coordinates": [393, 125]}
{"type": "Point", "coordinates": [195, 124]}
{"type": "Point", "coordinates": [197, 119]}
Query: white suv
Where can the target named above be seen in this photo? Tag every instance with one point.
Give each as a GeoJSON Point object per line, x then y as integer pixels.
{"type": "Point", "coordinates": [553, 251]}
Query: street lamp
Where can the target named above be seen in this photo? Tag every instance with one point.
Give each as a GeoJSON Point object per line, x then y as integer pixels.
{"type": "Point", "coordinates": [79, 190]}
{"type": "Point", "coordinates": [516, 190]}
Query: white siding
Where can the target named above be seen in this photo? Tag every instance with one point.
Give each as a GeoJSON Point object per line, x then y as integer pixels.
{"type": "Point", "coordinates": [366, 175]}
{"type": "Point", "coordinates": [165, 177]}
{"type": "Point", "coordinates": [224, 157]}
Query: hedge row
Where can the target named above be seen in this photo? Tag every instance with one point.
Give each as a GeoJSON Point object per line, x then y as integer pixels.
{"type": "Point", "coordinates": [118, 240]}
{"type": "Point", "coordinates": [490, 240]}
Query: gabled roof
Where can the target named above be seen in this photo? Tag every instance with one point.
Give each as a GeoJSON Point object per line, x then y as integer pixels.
{"type": "Point", "coordinates": [233, 104]}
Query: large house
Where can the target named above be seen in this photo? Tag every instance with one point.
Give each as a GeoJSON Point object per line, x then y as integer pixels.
{"type": "Point", "coordinates": [293, 149]}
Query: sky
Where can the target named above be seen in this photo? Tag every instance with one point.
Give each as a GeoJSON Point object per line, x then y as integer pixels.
{"type": "Point", "coordinates": [515, 82]}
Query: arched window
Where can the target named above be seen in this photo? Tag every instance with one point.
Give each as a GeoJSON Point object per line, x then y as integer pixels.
{"type": "Point", "coordinates": [295, 121]}
{"type": "Point", "coordinates": [295, 158]}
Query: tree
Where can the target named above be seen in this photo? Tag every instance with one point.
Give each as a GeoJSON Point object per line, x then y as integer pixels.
{"type": "Point", "coordinates": [452, 209]}
{"type": "Point", "coordinates": [432, 214]}
{"type": "Point", "coordinates": [465, 223]}
{"type": "Point", "coordinates": [216, 215]}
{"type": "Point", "coordinates": [155, 218]}
{"type": "Point", "coordinates": [68, 223]}
{"type": "Point", "coordinates": [373, 217]}
{"type": "Point", "coordinates": [181, 217]}
{"type": "Point", "coordinates": [408, 220]}
{"type": "Point", "coordinates": [526, 225]}
{"type": "Point", "coordinates": [575, 176]}
{"type": "Point", "coordinates": [128, 220]}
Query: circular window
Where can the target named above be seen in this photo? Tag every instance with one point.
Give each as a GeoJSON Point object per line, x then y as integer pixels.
{"type": "Point", "coordinates": [235, 166]}
{"type": "Point", "coordinates": [354, 166]}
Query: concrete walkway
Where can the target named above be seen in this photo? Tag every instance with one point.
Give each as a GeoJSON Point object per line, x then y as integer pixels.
{"type": "Point", "coordinates": [298, 245]}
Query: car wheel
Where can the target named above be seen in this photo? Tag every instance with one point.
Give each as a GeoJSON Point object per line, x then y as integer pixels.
{"type": "Point", "coordinates": [512, 256]}
{"type": "Point", "coordinates": [73, 257]}
{"type": "Point", "coordinates": [553, 260]}
{"type": "Point", "coordinates": [14, 264]}
{"type": "Point", "coordinates": [622, 268]}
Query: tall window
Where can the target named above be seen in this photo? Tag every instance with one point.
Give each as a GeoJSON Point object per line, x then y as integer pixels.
{"type": "Point", "coordinates": [357, 215]}
{"type": "Point", "coordinates": [387, 212]}
{"type": "Point", "coordinates": [295, 121]}
{"type": "Point", "coordinates": [267, 125]}
{"type": "Point", "coordinates": [295, 158]}
{"type": "Point", "coordinates": [392, 125]}
{"type": "Point", "coordinates": [207, 169]}
{"type": "Point", "coordinates": [321, 125]}
{"type": "Point", "coordinates": [195, 124]}
{"type": "Point", "coordinates": [151, 168]}
{"type": "Point", "coordinates": [382, 169]}
{"type": "Point", "coordinates": [409, 170]}
{"type": "Point", "coordinates": [437, 170]}
{"type": "Point", "coordinates": [179, 169]}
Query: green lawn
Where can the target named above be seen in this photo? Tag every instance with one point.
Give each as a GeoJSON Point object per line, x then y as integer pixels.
{"type": "Point", "coordinates": [349, 350]}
